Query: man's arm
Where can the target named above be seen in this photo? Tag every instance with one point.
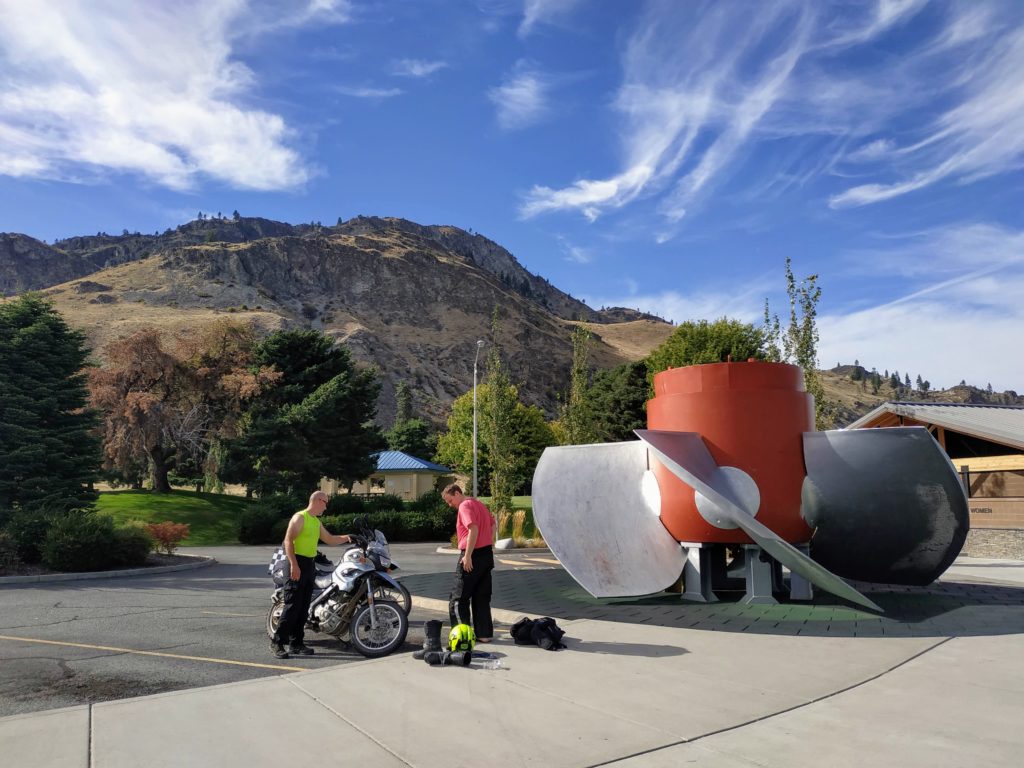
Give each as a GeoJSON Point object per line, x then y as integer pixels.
{"type": "Point", "coordinates": [467, 559]}
{"type": "Point", "coordinates": [294, 529]}
{"type": "Point", "coordinates": [331, 540]}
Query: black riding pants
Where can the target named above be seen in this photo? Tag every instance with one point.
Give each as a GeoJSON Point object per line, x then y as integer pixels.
{"type": "Point", "coordinates": [297, 594]}
{"type": "Point", "coordinates": [470, 601]}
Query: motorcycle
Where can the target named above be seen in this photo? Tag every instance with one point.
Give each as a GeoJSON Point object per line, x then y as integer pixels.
{"type": "Point", "coordinates": [379, 553]}
{"type": "Point", "coordinates": [347, 600]}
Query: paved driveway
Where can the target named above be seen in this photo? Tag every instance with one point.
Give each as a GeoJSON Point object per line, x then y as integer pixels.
{"type": "Point", "coordinates": [66, 643]}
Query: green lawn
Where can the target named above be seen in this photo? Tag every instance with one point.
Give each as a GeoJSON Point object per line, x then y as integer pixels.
{"type": "Point", "coordinates": [212, 517]}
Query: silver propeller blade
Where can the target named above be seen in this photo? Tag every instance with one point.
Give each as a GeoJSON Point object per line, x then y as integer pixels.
{"type": "Point", "coordinates": [598, 509]}
{"type": "Point", "coordinates": [686, 456]}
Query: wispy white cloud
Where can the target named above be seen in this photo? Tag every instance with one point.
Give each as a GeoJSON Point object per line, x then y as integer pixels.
{"type": "Point", "coordinates": [872, 151]}
{"type": "Point", "coordinates": [521, 100]}
{"type": "Point", "coordinates": [743, 302]}
{"type": "Point", "coordinates": [575, 253]}
{"type": "Point", "coordinates": [367, 92]}
{"type": "Point", "coordinates": [700, 91]}
{"type": "Point", "coordinates": [544, 12]}
{"type": "Point", "coordinates": [151, 89]}
{"type": "Point", "coordinates": [981, 136]}
{"type": "Point", "coordinates": [416, 67]}
{"type": "Point", "coordinates": [960, 313]}
{"type": "Point", "coordinates": [685, 91]}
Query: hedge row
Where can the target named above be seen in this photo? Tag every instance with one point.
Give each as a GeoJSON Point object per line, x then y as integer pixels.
{"type": "Point", "coordinates": [425, 519]}
{"type": "Point", "coordinates": [75, 540]}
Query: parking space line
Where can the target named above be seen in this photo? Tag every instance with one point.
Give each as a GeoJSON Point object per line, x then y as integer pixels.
{"type": "Point", "coordinates": [152, 653]}
{"type": "Point", "coordinates": [542, 560]}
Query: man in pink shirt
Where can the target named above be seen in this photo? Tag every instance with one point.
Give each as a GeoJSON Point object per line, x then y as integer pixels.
{"type": "Point", "coordinates": [470, 601]}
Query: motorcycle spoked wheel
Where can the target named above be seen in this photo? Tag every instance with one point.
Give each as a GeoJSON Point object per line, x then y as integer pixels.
{"type": "Point", "coordinates": [401, 595]}
{"type": "Point", "coordinates": [392, 627]}
{"type": "Point", "coordinates": [274, 616]}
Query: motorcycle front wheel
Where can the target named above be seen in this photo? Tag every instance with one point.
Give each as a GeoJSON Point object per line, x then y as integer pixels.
{"type": "Point", "coordinates": [392, 626]}
{"type": "Point", "coordinates": [400, 595]}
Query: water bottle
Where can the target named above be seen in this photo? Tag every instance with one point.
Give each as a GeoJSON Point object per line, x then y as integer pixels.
{"type": "Point", "coordinates": [494, 663]}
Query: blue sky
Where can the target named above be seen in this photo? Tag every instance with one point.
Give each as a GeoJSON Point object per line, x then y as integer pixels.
{"type": "Point", "coordinates": [666, 156]}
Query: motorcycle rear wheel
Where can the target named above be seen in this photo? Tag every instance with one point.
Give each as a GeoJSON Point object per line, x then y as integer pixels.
{"type": "Point", "coordinates": [274, 616]}
{"type": "Point", "coordinates": [400, 595]}
{"type": "Point", "coordinates": [392, 627]}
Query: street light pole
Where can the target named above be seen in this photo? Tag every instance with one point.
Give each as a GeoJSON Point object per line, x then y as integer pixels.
{"type": "Point", "coordinates": [479, 345]}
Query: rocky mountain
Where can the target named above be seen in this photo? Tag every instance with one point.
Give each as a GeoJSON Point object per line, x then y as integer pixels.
{"type": "Point", "coordinates": [409, 299]}
{"type": "Point", "coordinates": [851, 389]}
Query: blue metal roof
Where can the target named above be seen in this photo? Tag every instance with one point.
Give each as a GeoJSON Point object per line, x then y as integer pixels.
{"type": "Point", "coordinates": [396, 461]}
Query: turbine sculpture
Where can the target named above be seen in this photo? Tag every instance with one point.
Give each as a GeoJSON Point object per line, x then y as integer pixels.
{"type": "Point", "coordinates": [731, 459]}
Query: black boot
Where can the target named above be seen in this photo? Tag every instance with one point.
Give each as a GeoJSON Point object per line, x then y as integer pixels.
{"type": "Point", "coordinates": [431, 639]}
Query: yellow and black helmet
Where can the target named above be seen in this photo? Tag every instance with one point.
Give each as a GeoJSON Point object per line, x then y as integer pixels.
{"type": "Point", "coordinates": [461, 639]}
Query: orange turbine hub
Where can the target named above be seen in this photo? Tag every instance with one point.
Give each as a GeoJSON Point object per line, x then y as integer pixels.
{"type": "Point", "coordinates": [751, 416]}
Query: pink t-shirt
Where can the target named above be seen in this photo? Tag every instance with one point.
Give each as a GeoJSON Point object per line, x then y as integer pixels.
{"type": "Point", "coordinates": [473, 511]}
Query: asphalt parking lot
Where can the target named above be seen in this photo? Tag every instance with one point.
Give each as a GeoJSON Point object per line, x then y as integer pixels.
{"type": "Point", "coordinates": [68, 643]}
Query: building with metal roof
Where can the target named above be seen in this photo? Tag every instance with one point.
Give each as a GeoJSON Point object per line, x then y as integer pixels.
{"type": "Point", "coordinates": [986, 445]}
{"type": "Point", "coordinates": [977, 430]}
{"type": "Point", "coordinates": [397, 473]}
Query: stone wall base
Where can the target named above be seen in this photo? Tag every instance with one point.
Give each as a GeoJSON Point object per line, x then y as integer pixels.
{"type": "Point", "coordinates": [1005, 544]}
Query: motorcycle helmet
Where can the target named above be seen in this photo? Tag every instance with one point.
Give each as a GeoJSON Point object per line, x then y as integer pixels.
{"type": "Point", "coordinates": [461, 639]}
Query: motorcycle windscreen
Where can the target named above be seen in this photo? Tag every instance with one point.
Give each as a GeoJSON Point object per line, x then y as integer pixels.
{"type": "Point", "coordinates": [598, 507]}
{"type": "Point", "coordinates": [886, 504]}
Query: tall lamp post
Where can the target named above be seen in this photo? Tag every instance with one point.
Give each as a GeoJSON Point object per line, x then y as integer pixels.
{"type": "Point", "coordinates": [476, 359]}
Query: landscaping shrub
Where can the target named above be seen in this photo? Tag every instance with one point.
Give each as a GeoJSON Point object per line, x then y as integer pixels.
{"type": "Point", "coordinates": [82, 541]}
{"type": "Point", "coordinates": [131, 546]}
{"type": "Point", "coordinates": [266, 521]}
{"type": "Point", "coordinates": [278, 529]}
{"type": "Point", "coordinates": [168, 535]}
{"type": "Point", "coordinates": [28, 529]}
{"type": "Point", "coordinates": [344, 504]}
{"type": "Point", "coordinates": [255, 526]}
{"type": "Point", "coordinates": [9, 560]}
{"type": "Point", "coordinates": [384, 502]}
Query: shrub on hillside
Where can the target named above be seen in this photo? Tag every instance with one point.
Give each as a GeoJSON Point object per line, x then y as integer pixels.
{"type": "Point", "coordinates": [168, 535]}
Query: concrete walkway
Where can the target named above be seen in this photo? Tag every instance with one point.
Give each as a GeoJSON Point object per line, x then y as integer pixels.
{"type": "Point", "coordinates": [637, 691]}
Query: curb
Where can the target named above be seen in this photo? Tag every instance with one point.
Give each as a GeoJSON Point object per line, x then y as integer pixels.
{"type": "Point", "coordinates": [442, 550]}
{"type": "Point", "coordinates": [500, 614]}
{"type": "Point", "coordinates": [201, 561]}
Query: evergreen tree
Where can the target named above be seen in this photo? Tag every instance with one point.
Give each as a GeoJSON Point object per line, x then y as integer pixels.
{"type": "Point", "coordinates": [403, 403]}
{"type": "Point", "coordinates": [49, 454]}
{"type": "Point", "coordinates": [618, 402]}
{"type": "Point", "coordinates": [409, 434]}
{"type": "Point", "coordinates": [316, 422]}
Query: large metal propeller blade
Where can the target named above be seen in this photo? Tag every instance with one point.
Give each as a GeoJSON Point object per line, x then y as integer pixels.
{"type": "Point", "coordinates": [687, 457]}
{"type": "Point", "coordinates": [598, 508]}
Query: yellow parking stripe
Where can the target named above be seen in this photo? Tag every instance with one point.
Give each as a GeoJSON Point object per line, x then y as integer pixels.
{"type": "Point", "coordinates": [542, 560]}
{"type": "Point", "coordinates": [152, 653]}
